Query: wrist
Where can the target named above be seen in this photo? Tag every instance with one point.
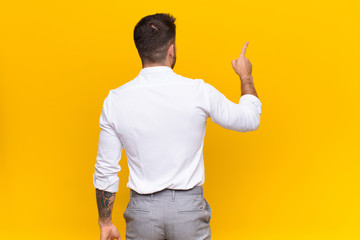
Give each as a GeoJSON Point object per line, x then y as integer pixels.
{"type": "Point", "coordinates": [105, 222]}
{"type": "Point", "coordinates": [246, 79]}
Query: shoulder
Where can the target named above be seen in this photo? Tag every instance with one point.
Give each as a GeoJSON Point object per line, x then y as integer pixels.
{"type": "Point", "coordinates": [125, 86]}
{"type": "Point", "coordinates": [196, 81]}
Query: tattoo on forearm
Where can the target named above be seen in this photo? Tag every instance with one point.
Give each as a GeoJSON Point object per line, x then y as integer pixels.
{"type": "Point", "coordinates": [105, 201]}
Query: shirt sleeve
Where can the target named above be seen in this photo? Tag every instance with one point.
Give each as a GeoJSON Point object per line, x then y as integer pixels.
{"type": "Point", "coordinates": [109, 153]}
{"type": "Point", "coordinates": [241, 117]}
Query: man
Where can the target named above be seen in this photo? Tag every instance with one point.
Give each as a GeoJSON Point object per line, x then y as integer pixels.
{"type": "Point", "coordinates": [159, 117]}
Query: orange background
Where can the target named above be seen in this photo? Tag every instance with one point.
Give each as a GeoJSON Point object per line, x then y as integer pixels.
{"type": "Point", "coordinates": [296, 177]}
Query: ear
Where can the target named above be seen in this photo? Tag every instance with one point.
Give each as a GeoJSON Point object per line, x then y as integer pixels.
{"type": "Point", "coordinates": [171, 50]}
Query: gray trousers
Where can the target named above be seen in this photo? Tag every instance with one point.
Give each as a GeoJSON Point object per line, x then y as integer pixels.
{"type": "Point", "coordinates": [168, 215]}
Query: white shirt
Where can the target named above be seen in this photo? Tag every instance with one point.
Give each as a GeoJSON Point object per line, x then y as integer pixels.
{"type": "Point", "coordinates": [159, 118]}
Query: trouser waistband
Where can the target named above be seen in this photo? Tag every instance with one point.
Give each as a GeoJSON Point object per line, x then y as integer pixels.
{"type": "Point", "coordinates": [197, 190]}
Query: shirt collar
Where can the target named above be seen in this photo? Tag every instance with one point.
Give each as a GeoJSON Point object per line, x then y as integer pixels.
{"type": "Point", "coordinates": [155, 70]}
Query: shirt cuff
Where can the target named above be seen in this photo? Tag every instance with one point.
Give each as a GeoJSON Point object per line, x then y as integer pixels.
{"type": "Point", "coordinates": [253, 100]}
{"type": "Point", "coordinates": [106, 185]}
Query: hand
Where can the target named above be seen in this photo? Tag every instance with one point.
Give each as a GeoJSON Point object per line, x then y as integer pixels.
{"type": "Point", "coordinates": [109, 232]}
{"type": "Point", "coordinates": [242, 65]}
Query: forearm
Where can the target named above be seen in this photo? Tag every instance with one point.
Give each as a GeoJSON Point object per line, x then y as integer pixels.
{"type": "Point", "coordinates": [105, 201]}
{"type": "Point", "coordinates": [247, 86]}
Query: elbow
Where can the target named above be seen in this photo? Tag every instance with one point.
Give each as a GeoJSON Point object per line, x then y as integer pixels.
{"type": "Point", "coordinates": [253, 123]}
{"type": "Point", "coordinates": [254, 120]}
{"type": "Point", "coordinates": [256, 124]}
{"type": "Point", "coordinates": [252, 127]}
{"type": "Point", "coordinates": [245, 120]}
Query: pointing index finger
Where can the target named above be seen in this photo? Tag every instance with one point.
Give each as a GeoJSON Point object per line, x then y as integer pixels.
{"type": "Point", "coordinates": [242, 54]}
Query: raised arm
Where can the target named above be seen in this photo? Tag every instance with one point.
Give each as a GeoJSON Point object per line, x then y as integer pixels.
{"type": "Point", "coordinates": [241, 117]}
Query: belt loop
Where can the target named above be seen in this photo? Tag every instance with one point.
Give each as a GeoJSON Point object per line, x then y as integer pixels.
{"type": "Point", "coordinates": [152, 196]}
{"type": "Point", "coordinates": [173, 195]}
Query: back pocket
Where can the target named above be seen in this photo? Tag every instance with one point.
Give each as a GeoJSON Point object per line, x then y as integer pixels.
{"type": "Point", "coordinates": [191, 203]}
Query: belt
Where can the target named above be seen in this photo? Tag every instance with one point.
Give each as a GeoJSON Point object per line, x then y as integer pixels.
{"type": "Point", "coordinates": [197, 190]}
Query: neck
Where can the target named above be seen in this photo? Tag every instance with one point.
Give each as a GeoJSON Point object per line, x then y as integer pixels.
{"type": "Point", "coordinates": [167, 63]}
{"type": "Point", "coordinates": [155, 65]}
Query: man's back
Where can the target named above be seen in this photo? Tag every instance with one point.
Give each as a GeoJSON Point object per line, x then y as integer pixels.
{"type": "Point", "coordinates": [160, 119]}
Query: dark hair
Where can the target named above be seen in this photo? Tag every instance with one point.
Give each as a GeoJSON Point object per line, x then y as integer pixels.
{"type": "Point", "coordinates": [153, 35]}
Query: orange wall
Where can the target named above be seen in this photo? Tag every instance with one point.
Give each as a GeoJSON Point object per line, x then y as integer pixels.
{"type": "Point", "coordinates": [296, 177]}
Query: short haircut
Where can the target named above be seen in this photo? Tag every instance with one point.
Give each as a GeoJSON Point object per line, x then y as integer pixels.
{"type": "Point", "coordinates": [153, 35]}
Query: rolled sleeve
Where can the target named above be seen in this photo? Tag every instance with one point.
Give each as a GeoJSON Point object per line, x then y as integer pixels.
{"type": "Point", "coordinates": [109, 153]}
{"type": "Point", "coordinates": [241, 117]}
{"type": "Point", "coordinates": [252, 100]}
